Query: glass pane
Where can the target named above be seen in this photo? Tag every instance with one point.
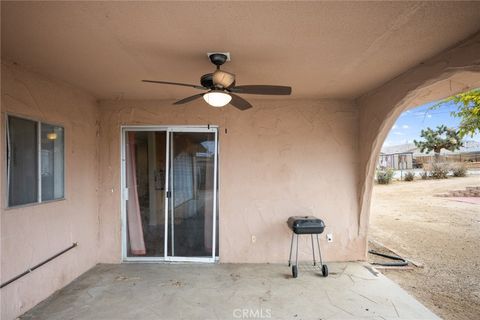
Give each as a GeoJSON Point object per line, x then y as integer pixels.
{"type": "Point", "coordinates": [145, 179]}
{"type": "Point", "coordinates": [191, 203]}
{"type": "Point", "coordinates": [52, 162]}
{"type": "Point", "coordinates": [22, 161]}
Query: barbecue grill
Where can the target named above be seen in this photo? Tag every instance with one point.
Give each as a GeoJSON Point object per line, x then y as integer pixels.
{"type": "Point", "coordinates": [306, 225]}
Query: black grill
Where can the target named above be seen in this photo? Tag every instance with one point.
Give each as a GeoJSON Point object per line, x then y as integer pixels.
{"type": "Point", "coordinates": [306, 225]}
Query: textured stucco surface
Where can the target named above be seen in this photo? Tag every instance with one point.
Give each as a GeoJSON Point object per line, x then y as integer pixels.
{"type": "Point", "coordinates": [323, 49]}
{"type": "Point", "coordinates": [31, 234]}
{"type": "Point", "coordinates": [453, 71]}
{"type": "Point", "coordinates": [276, 160]}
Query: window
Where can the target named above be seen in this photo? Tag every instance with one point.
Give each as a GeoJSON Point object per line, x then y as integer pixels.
{"type": "Point", "coordinates": [51, 162]}
{"type": "Point", "coordinates": [22, 161]}
{"type": "Point", "coordinates": [35, 161]}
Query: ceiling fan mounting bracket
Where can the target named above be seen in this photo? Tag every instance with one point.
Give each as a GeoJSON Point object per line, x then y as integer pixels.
{"type": "Point", "coordinates": [218, 58]}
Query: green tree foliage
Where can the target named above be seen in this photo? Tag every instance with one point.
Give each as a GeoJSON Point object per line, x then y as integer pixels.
{"type": "Point", "coordinates": [441, 138]}
{"type": "Point", "coordinates": [468, 110]}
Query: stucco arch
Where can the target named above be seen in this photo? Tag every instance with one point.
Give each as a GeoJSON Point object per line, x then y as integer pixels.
{"type": "Point", "coordinates": [454, 71]}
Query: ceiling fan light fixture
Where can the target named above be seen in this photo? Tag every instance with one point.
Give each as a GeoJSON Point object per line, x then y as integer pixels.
{"type": "Point", "coordinates": [217, 98]}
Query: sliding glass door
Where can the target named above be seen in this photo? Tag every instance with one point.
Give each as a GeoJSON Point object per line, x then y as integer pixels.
{"type": "Point", "coordinates": [169, 201]}
{"type": "Point", "coordinates": [192, 199]}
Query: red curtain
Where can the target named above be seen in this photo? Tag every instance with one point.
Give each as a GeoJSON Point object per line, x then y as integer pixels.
{"type": "Point", "coordinates": [135, 229]}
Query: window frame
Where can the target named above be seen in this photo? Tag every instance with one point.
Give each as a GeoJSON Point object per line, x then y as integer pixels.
{"type": "Point", "coordinates": [7, 151]}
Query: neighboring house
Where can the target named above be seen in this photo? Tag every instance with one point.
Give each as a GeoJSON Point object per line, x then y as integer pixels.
{"type": "Point", "coordinates": [469, 146]}
{"type": "Point", "coordinates": [397, 161]}
{"type": "Point", "coordinates": [392, 156]}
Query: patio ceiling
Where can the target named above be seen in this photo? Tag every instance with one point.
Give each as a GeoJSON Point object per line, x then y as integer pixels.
{"type": "Point", "coordinates": [326, 50]}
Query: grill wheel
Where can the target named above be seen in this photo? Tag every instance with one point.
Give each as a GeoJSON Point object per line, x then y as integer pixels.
{"type": "Point", "coordinates": [294, 271]}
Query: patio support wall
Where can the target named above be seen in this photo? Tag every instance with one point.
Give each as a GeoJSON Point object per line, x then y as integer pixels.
{"type": "Point", "coordinates": [453, 71]}
{"type": "Point", "coordinates": [283, 157]}
{"type": "Point", "coordinates": [33, 233]}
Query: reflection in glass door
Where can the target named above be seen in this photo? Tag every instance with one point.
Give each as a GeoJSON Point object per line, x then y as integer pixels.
{"type": "Point", "coordinates": [169, 194]}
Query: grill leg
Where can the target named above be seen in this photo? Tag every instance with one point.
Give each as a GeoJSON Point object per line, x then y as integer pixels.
{"type": "Point", "coordinates": [319, 252]}
{"type": "Point", "coordinates": [291, 247]}
{"type": "Point", "coordinates": [296, 253]}
{"type": "Point", "coordinates": [313, 251]}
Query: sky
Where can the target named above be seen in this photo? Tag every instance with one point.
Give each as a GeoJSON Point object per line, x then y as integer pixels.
{"type": "Point", "coordinates": [411, 122]}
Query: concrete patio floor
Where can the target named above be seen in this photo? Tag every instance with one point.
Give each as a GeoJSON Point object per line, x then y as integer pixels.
{"type": "Point", "coordinates": [230, 291]}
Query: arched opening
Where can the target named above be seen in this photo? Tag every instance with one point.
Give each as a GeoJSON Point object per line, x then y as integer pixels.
{"type": "Point", "coordinates": [447, 286]}
{"type": "Point", "coordinates": [446, 85]}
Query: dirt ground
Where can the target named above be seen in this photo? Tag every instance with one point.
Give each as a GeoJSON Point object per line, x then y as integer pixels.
{"type": "Point", "coordinates": [441, 234]}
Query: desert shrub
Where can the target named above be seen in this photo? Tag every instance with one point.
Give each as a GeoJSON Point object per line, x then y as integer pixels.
{"type": "Point", "coordinates": [385, 176]}
{"type": "Point", "coordinates": [459, 170]}
{"type": "Point", "coordinates": [439, 170]}
{"type": "Point", "coordinates": [424, 175]}
{"type": "Point", "coordinates": [409, 176]}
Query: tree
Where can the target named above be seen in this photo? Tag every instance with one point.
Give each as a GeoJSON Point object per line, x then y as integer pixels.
{"type": "Point", "coordinates": [441, 138]}
{"type": "Point", "coordinates": [468, 110]}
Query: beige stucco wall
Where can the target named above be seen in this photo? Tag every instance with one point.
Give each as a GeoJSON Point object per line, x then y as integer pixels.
{"type": "Point", "coordinates": [453, 71]}
{"type": "Point", "coordinates": [283, 157]}
{"type": "Point", "coordinates": [33, 233]}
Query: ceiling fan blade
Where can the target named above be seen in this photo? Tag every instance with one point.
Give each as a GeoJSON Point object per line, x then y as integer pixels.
{"type": "Point", "coordinates": [239, 102]}
{"type": "Point", "coordinates": [177, 84]}
{"type": "Point", "coordinates": [262, 89]}
{"type": "Point", "coordinates": [188, 99]}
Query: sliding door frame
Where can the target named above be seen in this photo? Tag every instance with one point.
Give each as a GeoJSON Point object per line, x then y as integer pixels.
{"type": "Point", "coordinates": [124, 191]}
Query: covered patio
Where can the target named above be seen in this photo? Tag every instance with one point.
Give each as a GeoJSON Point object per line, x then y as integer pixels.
{"type": "Point", "coordinates": [144, 182]}
{"type": "Point", "coordinates": [230, 291]}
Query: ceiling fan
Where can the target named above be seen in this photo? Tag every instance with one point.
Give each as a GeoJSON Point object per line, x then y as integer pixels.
{"type": "Point", "coordinates": [221, 88]}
